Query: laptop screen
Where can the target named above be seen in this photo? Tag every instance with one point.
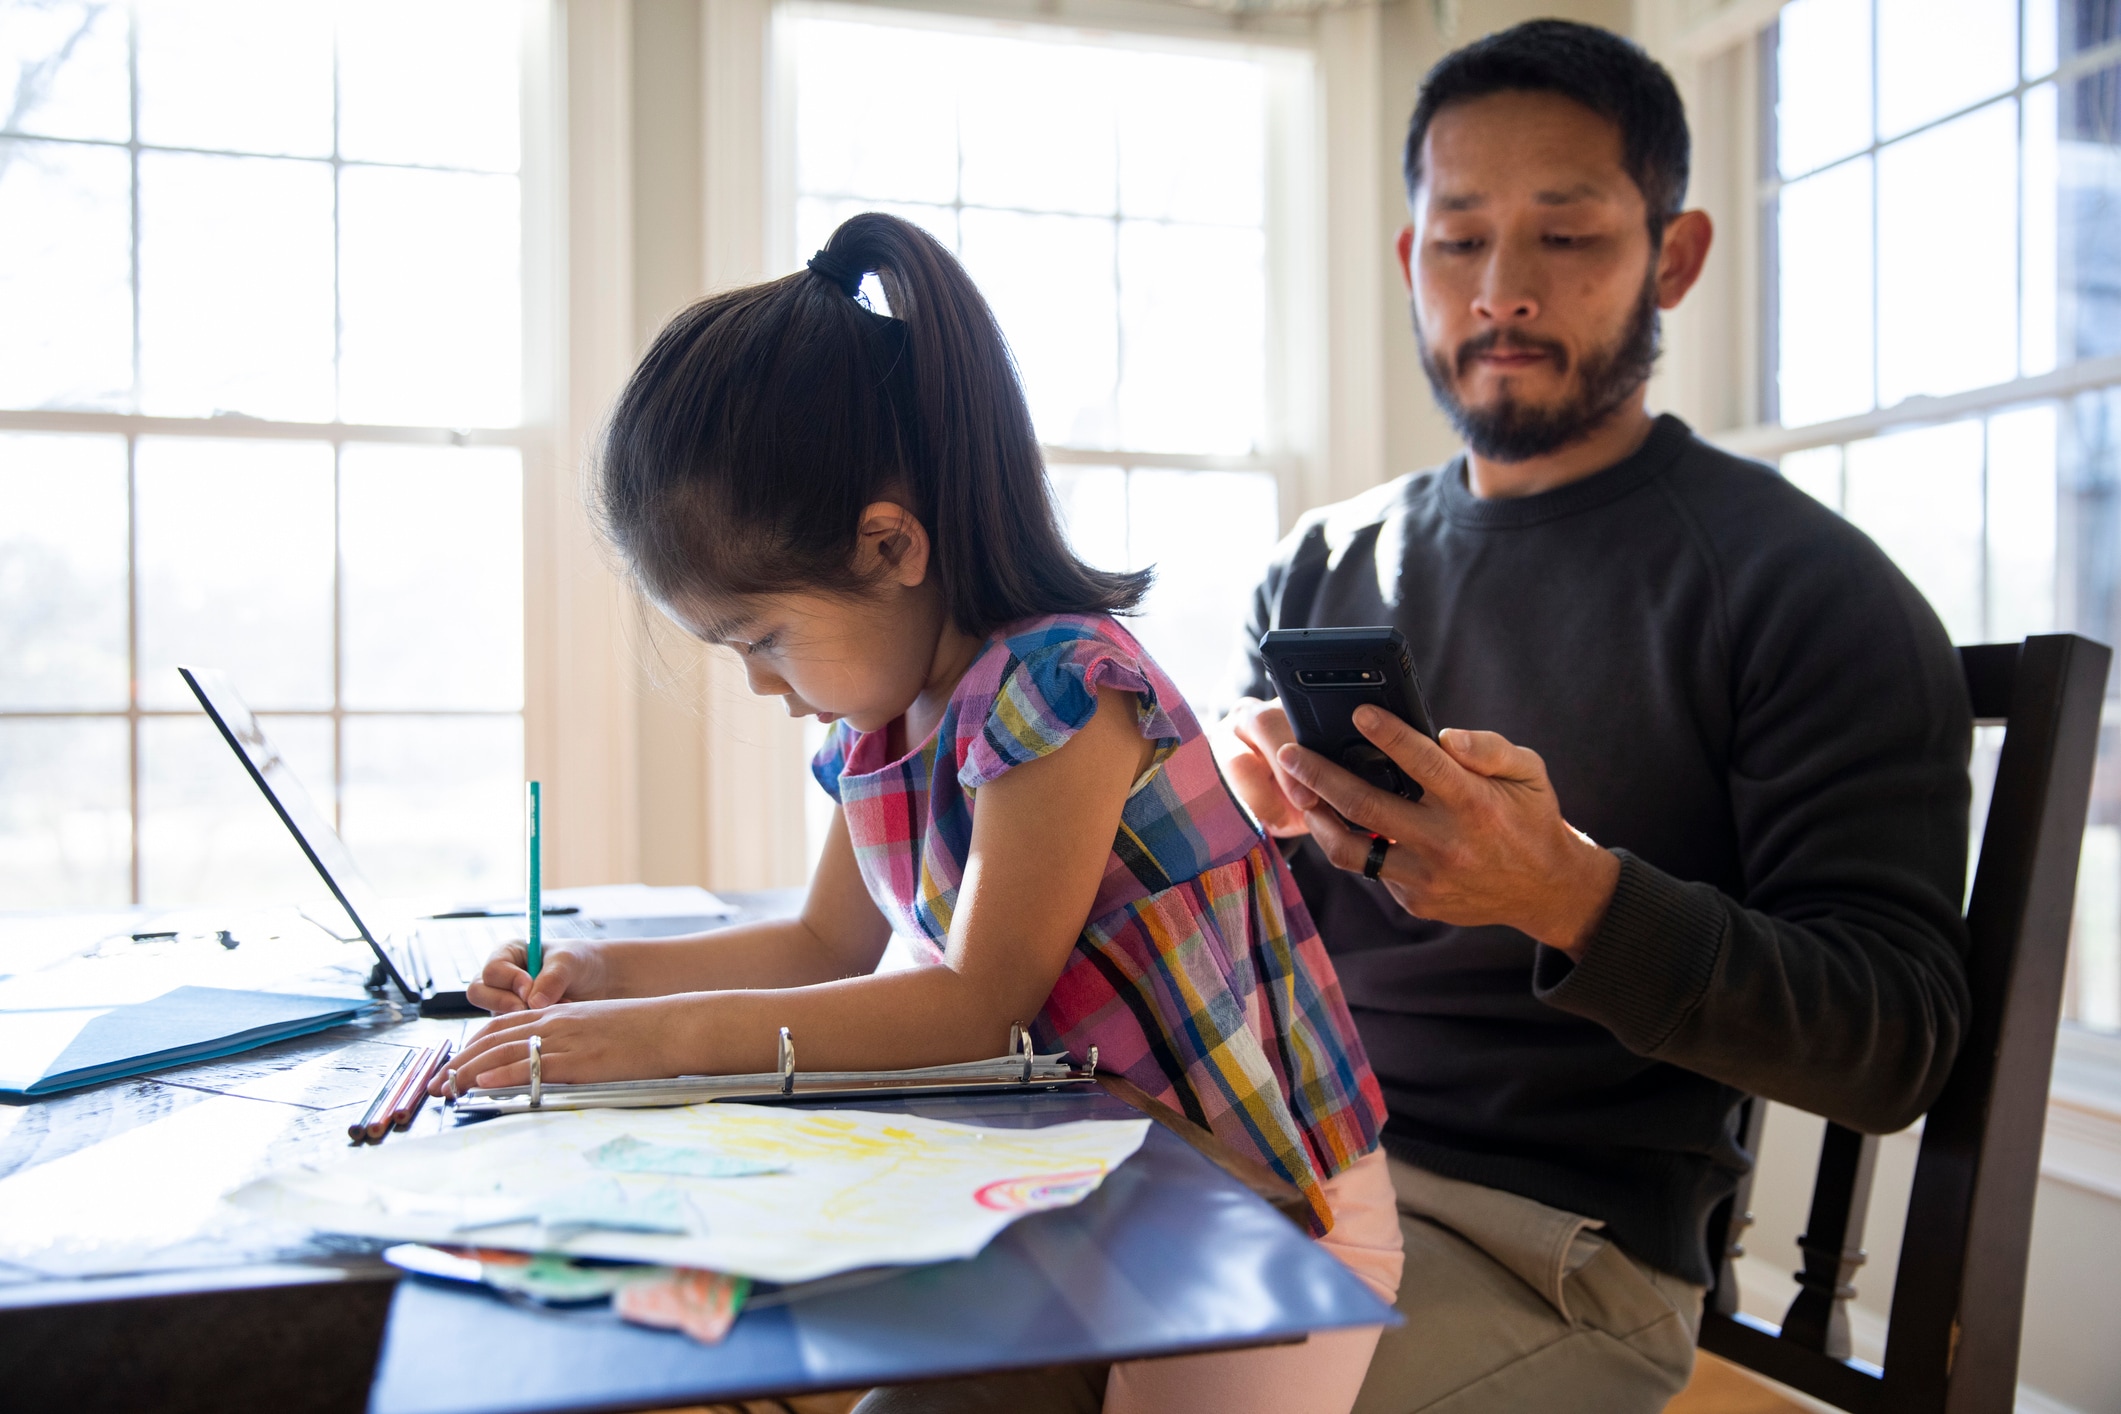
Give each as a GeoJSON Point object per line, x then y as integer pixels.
{"type": "Point", "coordinates": [318, 839]}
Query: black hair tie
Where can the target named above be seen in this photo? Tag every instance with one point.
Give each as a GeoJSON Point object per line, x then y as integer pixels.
{"type": "Point", "coordinates": [839, 271]}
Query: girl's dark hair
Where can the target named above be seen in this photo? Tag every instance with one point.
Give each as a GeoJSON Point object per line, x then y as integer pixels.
{"type": "Point", "coordinates": [763, 420]}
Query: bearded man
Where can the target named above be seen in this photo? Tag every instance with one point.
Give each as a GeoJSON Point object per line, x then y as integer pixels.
{"type": "Point", "coordinates": [1701, 829]}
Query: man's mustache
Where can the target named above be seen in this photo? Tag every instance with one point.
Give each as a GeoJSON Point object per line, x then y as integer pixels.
{"type": "Point", "coordinates": [1494, 339]}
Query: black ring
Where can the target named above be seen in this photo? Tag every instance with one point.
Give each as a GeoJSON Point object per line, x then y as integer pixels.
{"type": "Point", "coordinates": [1376, 862]}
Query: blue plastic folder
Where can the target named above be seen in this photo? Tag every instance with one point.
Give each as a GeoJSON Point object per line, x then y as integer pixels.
{"type": "Point", "coordinates": [43, 1052]}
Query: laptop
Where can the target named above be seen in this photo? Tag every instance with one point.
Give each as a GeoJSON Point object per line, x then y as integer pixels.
{"type": "Point", "coordinates": [431, 960]}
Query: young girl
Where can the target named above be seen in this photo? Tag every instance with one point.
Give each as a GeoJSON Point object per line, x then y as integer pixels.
{"type": "Point", "coordinates": [856, 504]}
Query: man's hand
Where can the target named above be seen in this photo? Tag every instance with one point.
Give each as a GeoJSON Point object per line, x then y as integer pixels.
{"type": "Point", "coordinates": [573, 971]}
{"type": "Point", "coordinates": [1248, 743]}
{"type": "Point", "coordinates": [1485, 844]}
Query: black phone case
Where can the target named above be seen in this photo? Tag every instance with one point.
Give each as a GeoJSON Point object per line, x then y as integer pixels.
{"type": "Point", "coordinates": [1324, 674]}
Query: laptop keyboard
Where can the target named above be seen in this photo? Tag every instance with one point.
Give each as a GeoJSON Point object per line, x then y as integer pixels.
{"type": "Point", "coordinates": [456, 949]}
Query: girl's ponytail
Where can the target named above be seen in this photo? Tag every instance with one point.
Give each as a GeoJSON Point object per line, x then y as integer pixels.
{"type": "Point", "coordinates": [762, 421]}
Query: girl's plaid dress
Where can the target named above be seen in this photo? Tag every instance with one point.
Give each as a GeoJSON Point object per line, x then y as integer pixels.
{"type": "Point", "coordinates": [1198, 975]}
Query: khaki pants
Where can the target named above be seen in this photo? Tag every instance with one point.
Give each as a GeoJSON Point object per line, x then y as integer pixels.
{"type": "Point", "coordinates": [1512, 1305]}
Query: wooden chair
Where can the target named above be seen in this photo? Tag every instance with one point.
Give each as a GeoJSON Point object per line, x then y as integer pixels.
{"type": "Point", "coordinates": [1952, 1340]}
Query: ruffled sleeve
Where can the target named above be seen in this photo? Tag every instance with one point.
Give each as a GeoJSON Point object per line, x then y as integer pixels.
{"type": "Point", "coordinates": [831, 758]}
{"type": "Point", "coordinates": [1048, 695]}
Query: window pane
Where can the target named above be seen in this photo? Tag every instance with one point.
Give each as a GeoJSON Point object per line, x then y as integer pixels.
{"type": "Point", "coordinates": [431, 85]}
{"type": "Point", "coordinates": [1092, 501]}
{"type": "Point", "coordinates": [65, 827]}
{"type": "Point", "coordinates": [1049, 279]}
{"type": "Point", "coordinates": [236, 76]}
{"type": "Point", "coordinates": [207, 833]}
{"type": "Point", "coordinates": [1823, 62]}
{"type": "Point", "coordinates": [2089, 469]}
{"type": "Point", "coordinates": [1948, 287]}
{"type": "Point", "coordinates": [1193, 310]}
{"type": "Point", "coordinates": [431, 310]}
{"type": "Point", "coordinates": [876, 111]}
{"type": "Point", "coordinates": [1039, 133]}
{"type": "Point", "coordinates": [421, 527]}
{"type": "Point", "coordinates": [2040, 36]}
{"type": "Point", "coordinates": [2085, 27]}
{"type": "Point", "coordinates": [1824, 284]}
{"type": "Point", "coordinates": [434, 805]}
{"type": "Point", "coordinates": [1918, 494]}
{"type": "Point", "coordinates": [1938, 56]}
{"type": "Point", "coordinates": [235, 545]}
{"type": "Point", "coordinates": [1192, 140]}
{"type": "Point", "coordinates": [1817, 473]}
{"type": "Point", "coordinates": [235, 287]}
{"type": "Point", "coordinates": [2089, 244]}
{"type": "Point", "coordinates": [2089, 473]}
{"type": "Point", "coordinates": [65, 276]}
{"type": "Point", "coordinates": [2092, 990]}
{"type": "Point", "coordinates": [66, 68]}
{"type": "Point", "coordinates": [62, 573]}
{"type": "Point", "coordinates": [2039, 279]}
{"type": "Point", "coordinates": [2021, 523]}
{"type": "Point", "coordinates": [1209, 534]}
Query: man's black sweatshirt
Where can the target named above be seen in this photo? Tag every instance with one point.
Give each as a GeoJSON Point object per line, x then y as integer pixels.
{"type": "Point", "coordinates": [1739, 694]}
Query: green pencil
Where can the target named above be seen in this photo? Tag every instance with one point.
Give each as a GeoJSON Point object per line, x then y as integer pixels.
{"type": "Point", "coordinates": [536, 911]}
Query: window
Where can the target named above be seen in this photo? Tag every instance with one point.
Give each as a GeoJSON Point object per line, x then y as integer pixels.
{"type": "Point", "coordinates": [1111, 199]}
{"type": "Point", "coordinates": [259, 398]}
{"type": "Point", "coordinates": [1942, 221]}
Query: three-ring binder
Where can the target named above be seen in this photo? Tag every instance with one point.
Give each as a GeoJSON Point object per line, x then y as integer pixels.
{"type": "Point", "coordinates": [1022, 1068]}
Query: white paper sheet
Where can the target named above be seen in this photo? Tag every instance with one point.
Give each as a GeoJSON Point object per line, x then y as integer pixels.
{"type": "Point", "coordinates": [852, 1188]}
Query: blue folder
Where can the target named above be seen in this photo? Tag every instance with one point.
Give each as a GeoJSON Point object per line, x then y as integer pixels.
{"type": "Point", "coordinates": [188, 1024]}
{"type": "Point", "coordinates": [1169, 1256]}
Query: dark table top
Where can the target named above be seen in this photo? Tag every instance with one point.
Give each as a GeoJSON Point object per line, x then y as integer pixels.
{"type": "Point", "coordinates": [113, 1239]}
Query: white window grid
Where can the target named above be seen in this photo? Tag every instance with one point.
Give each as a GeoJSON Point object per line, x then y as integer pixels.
{"type": "Point", "coordinates": [225, 424]}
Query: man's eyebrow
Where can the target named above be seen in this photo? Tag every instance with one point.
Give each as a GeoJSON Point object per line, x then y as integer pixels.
{"type": "Point", "coordinates": [1461, 201]}
{"type": "Point", "coordinates": [1582, 191]}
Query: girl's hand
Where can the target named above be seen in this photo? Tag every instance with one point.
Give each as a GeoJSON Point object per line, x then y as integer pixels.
{"type": "Point", "coordinates": [632, 1039]}
{"type": "Point", "coordinates": [573, 971]}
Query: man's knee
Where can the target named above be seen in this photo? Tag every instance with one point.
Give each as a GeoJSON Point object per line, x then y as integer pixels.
{"type": "Point", "coordinates": [1479, 1338]}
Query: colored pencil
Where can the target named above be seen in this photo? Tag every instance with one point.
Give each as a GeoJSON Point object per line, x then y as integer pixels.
{"type": "Point", "coordinates": [380, 1125]}
{"type": "Point", "coordinates": [408, 1108]}
{"type": "Point", "coordinates": [380, 1105]}
{"type": "Point", "coordinates": [534, 915]}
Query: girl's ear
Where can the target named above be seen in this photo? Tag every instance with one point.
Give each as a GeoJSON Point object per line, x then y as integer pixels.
{"type": "Point", "coordinates": [892, 545]}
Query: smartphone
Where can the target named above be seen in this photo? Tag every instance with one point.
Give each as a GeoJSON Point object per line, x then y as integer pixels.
{"type": "Point", "coordinates": [1324, 674]}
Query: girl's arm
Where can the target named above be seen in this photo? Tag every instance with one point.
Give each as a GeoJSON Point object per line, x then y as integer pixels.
{"type": "Point", "coordinates": [1040, 837]}
{"type": "Point", "coordinates": [838, 934]}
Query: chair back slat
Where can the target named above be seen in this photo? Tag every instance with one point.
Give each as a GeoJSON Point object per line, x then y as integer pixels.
{"type": "Point", "coordinates": [1959, 1296]}
{"type": "Point", "coordinates": [1832, 1243]}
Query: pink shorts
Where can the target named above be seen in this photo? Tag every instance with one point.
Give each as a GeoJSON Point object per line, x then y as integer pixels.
{"type": "Point", "coordinates": [1325, 1373]}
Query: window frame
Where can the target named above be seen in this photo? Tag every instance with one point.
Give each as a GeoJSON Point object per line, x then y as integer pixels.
{"type": "Point", "coordinates": [541, 177]}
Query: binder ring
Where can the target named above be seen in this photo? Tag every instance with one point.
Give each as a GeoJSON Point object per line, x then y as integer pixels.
{"type": "Point", "coordinates": [537, 1071]}
{"type": "Point", "coordinates": [787, 1063]}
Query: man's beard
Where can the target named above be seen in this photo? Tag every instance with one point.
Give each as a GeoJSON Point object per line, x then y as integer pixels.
{"type": "Point", "coordinates": [1511, 431]}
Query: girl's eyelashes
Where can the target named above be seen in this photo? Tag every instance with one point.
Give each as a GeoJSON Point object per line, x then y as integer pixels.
{"type": "Point", "coordinates": [764, 644]}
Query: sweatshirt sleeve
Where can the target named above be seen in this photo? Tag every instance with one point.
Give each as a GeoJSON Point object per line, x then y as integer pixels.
{"type": "Point", "coordinates": [1837, 982]}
